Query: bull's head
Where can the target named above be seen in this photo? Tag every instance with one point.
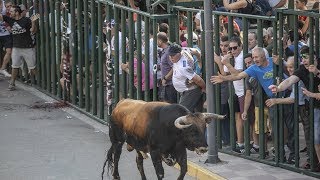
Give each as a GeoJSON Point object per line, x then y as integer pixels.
{"type": "Point", "coordinates": [193, 126]}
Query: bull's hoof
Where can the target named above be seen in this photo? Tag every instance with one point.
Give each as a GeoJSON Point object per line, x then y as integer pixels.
{"type": "Point", "coordinates": [129, 148]}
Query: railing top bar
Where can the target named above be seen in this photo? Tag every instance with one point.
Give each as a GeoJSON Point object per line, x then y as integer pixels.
{"type": "Point", "coordinates": [187, 9]}
{"type": "Point", "coordinates": [300, 13]}
{"type": "Point", "coordinates": [270, 18]}
{"type": "Point", "coordinates": [142, 13]}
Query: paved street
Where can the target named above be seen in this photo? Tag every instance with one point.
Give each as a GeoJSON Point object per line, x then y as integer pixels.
{"type": "Point", "coordinates": [55, 144]}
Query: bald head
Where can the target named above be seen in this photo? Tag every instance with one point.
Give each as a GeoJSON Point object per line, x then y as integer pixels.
{"type": "Point", "coordinates": [290, 65]}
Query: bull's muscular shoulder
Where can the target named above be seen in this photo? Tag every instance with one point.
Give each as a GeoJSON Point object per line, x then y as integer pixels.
{"type": "Point", "coordinates": [133, 116]}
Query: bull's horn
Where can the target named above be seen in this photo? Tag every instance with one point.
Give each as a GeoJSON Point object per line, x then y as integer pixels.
{"type": "Point", "coordinates": [211, 116]}
{"type": "Point", "coordinates": [178, 122]}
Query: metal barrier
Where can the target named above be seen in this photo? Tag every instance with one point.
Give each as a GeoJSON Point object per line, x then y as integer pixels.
{"type": "Point", "coordinates": [71, 62]}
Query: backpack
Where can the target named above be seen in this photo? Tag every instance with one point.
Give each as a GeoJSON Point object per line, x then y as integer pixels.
{"type": "Point", "coordinates": [260, 7]}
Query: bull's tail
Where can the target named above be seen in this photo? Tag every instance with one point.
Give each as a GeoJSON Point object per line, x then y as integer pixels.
{"type": "Point", "coordinates": [109, 160]}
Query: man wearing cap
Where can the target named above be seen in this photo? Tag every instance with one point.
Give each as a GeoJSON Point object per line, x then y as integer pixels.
{"type": "Point", "coordinates": [190, 85]}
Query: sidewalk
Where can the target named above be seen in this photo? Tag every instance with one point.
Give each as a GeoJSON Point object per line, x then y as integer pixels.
{"type": "Point", "coordinates": [236, 168]}
{"type": "Point", "coordinates": [62, 143]}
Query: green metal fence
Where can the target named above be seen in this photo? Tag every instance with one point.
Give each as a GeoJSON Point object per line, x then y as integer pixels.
{"type": "Point", "coordinates": [75, 34]}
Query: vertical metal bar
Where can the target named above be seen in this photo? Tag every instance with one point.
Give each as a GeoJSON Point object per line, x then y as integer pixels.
{"type": "Point", "coordinates": [58, 37]}
{"type": "Point", "coordinates": [124, 52]}
{"type": "Point", "coordinates": [80, 47]}
{"type": "Point", "coordinates": [246, 123]}
{"type": "Point", "coordinates": [139, 63]}
{"type": "Point", "coordinates": [211, 129]}
{"type": "Point", "coordinates": [38, 46]}
{"type": "Point", "coordinates": [311, 101]}
{"type": "Point", "coordinates": [189, 28]}
{"type": "Point", "coordinates": [147, 60]}
{"type": "Point", "coordinates": [262, 138]}
{"type": "Point", "coordinates": [42, 46]}
{"type": "Point", "coordinates": [116, 57]}
{"type": "Point", "coordinates": [231, 93]}
{"type": "Point", "coordinates": [203, 59]}
{"type": "Point", "coordinates": [173, 21]}
{"type": "Point", "coordinates": [86, 56]}
{"type": "Point", "coordinates": [73, 52]}
{"type": "Point", "coordinates": [316, 33]}
{"type": "Point", "coordinates": [218, 86]}
{"type": "Point", "coordinates": [230, 26]}
{"type": "Point", "coordinates": [131, 54]}
{"type": "Point", "coordinates": [100, 63]}
{"type": "Point", "coordinates": [155, 56]}
{"type": "Point", "coordinates": [53, 48]}
{"type": "Point", "coordinates": [93, 57]}
{"type": "Point", "coordinates": [296, 96]}
{"type": "Point", "coordinates": [275, 129]}
{"type": "Point", "coordinates": [280, 107]}
{"type": "Point", "coordinates": [47, 45]}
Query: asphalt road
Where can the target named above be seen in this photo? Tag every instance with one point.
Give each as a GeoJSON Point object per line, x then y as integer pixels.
{"type": "Point", "coordinates": [51, 144]}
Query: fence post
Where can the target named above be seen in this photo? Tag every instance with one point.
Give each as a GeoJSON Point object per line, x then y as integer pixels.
{"type": "Point", "coordinates": [211, 129]}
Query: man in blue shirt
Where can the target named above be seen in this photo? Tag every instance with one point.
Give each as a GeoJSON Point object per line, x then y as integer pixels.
{"type": "Point", "coordinates": [262, 71]}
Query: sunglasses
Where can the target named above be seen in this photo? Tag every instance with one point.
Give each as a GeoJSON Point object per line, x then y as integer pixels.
{"type": "Point", "coordinates": [305, 56]}
{"type": "Point", "coordinates": [234, 48]}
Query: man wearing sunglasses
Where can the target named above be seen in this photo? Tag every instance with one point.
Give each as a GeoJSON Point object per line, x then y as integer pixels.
{"type": "Point", "coordinates": [235, 52]}
{"type": "Point", "coordinates": [303, 74]}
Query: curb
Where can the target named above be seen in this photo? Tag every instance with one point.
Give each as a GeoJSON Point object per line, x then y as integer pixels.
{"type": "Point", "coordinates": [200, 173]}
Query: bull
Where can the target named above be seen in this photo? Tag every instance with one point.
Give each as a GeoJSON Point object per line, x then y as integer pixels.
{"type": "Point", "coordinates": [164, 130]}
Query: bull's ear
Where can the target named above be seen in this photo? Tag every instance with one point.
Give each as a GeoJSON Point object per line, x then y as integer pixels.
{"type": "Point", "coordinates": [208, 117]}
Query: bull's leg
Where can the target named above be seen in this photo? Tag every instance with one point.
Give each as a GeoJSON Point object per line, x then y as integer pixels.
{"type": "Point", "coordinates": [139, 160]}
{"type": "Point", "coordinates": [182, 161]}
{"type": "Point", "coordinates": [117, 153]}
{"type": "Point", "coordinates": [157, 163]}
{"type": "Point", "coordinates": [117, 138]}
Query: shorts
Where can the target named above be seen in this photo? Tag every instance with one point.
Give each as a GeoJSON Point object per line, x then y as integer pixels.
{"type": "Point", "coordinates": [6, 41]}
{"type": "Point", "coordinates": [239, 104]}
{"type": "Point", "coordinates": [28, 54]}
{"type": "Point", "coordinates": [257, 120]}
{"type": "Point", "coordinates": [316, 123]}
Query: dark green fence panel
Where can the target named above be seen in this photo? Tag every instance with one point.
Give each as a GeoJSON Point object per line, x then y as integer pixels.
{"type": "Point", "coordinates": [94, 24]}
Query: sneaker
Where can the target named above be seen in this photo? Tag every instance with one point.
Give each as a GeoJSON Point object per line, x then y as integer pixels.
{"type": "Point", "coordinates": [11, 87]}
{"type": "Point", "coordinates": [239, 149]}
{"type": "Point", "coordinates": [5, 73]}
{"type": "Point", "coordinates": [254, 150]}
{"type": "Point", "coordinates": [291, 159]}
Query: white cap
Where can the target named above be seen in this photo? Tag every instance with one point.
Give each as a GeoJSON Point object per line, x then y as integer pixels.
{"type": "Point", "coordinates": [194, 37]}
{"type": "Point", "coordinates": [22, 7]}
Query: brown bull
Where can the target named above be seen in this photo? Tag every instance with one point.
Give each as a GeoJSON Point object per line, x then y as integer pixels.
{"type": "Point", "coordinates": [165, 130]}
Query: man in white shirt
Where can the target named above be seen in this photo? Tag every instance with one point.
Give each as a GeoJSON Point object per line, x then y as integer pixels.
{"type": "Point", "coordinates": [190, 85]}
